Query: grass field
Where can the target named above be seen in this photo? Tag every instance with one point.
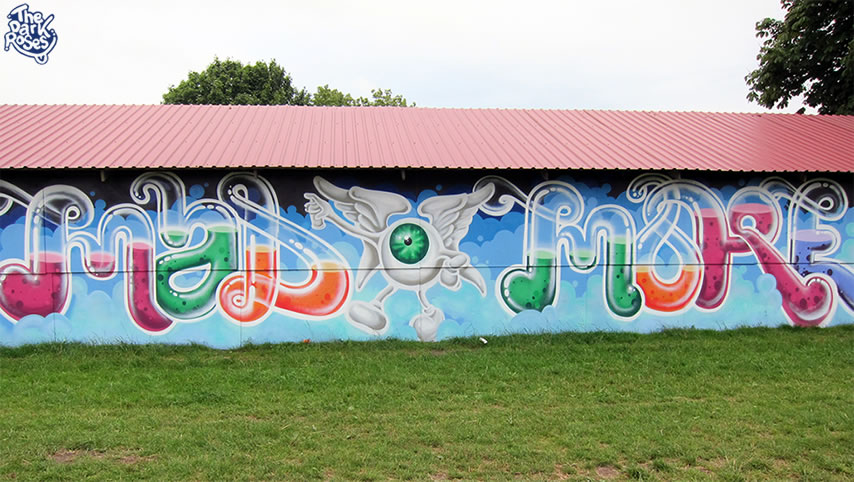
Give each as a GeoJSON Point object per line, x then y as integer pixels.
{"type": "Point", "coordinates": [743, 404]}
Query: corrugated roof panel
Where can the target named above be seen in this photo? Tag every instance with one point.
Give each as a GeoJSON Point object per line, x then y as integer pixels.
{"type": "Point", "coordinates": [434, 135]}
{"type": "Point", "coordinates": [615, 147]}
{"type": "Point", "coordinates": [840, 121]}
{"type": "Point", "coordinates": [80, 127]}
{"type": "Point", "coordinates": [232, 147]}
{"type": "Point", "coordinates": [210, 138]}
{"type": "Point", "coordinates": [173, 136]}
{"type": "Point", "coordinates": [28, 145]}
{"type": "Point", "coordinates": [813, 141]}
{"type": "Point", "coordinates": [525, 142]}
{"type": "Point", "coordinates": [186, 145]}
{"type": "Point", "coordinates": [111, 123]}
{"type": "Point", "coordinates": [570, 137]}
{"type": "Point", "coordinates": [501, 138]}
{"type": "Point", "coordinates": [266, 146]}
{"type": "Point", "coordinates": [465, 142]}
{"type": "Point", "coordinates": [142, 143]}
{"type": "Point", "coordinates": [634, 141]}
{"type": "Point", "coordinates": [697, 136]}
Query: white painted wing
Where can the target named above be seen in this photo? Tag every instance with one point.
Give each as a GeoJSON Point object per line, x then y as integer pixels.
{"type": "Point", "coordinates": [367, 209]}
{"type": "Point", "coordinates": [451, 215]}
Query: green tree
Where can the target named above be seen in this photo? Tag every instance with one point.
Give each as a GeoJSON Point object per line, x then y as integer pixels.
{"type": "Point", "coordinates": [811, 53]}
{"type": "Point", "coordinates": [229, 82]}
{"type": "Point", "coordinates": [384, 98]}
{"type": "Point", "coordinates": [333, 97]}
{"type": "Point", "coordinates": [379, 98]}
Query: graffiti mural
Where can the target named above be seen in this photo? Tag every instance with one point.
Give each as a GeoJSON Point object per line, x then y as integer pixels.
{"type": "Point", "coordinates": [247, 257]}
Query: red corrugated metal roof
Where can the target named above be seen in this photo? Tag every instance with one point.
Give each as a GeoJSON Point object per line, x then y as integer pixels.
{"type": "Point", "coordinates": [176, 136]}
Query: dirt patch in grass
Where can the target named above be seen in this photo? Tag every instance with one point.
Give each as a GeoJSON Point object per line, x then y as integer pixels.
{"type": "Point", "coordinates": [560, 473]}
{"type": "Point", "coordinates": [66, 456]}
{"type": "Point", "coordinates": [135, 459]}
{"type": "Point", "coordinates": [607, 472]}
{"type": "Point", "coordinates": [69, 456]}
{"type": "Point", "coordinates": [708, 466]}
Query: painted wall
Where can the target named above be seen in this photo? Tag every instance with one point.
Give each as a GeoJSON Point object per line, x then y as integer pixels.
{"type": "Point", "coordinates": [226, 258]}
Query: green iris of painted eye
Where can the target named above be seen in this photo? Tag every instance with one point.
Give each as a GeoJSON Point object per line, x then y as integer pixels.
{"type": "Point", "coordinates": [409, 243]}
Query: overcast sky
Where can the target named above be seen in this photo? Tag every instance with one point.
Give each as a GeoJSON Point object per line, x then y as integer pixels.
{"type": "Point", "coordinates": [608, 54]}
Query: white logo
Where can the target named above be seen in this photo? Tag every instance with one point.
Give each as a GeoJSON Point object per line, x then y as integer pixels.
{"type": "Point", "coordinates": [30, 33]}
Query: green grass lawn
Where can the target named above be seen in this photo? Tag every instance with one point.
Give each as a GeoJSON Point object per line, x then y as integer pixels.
{"type": "Point", "coordinates": [743, 404]}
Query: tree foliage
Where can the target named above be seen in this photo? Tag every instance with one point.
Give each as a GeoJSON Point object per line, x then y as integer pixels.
{"type": "Point", "coordinates": [384, 98]}
{"type": "Point", "coordinates": [379, 98]}
{"type": "Point", "coordinates": [811, 53]}
{"type": "Point", "coordinates": [229, 82]}
{"type": "Point", "coordinates": [332, 97]}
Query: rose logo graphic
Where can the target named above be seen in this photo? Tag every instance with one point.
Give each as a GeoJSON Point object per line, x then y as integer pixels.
{"type": "Point", "coordinates": [30, 33]}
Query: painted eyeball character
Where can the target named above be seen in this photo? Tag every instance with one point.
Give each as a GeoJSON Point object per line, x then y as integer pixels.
{"type": "Point", "coordinates": [410, 252]}
{"type": "Point", "coordinates": [409, 243]}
